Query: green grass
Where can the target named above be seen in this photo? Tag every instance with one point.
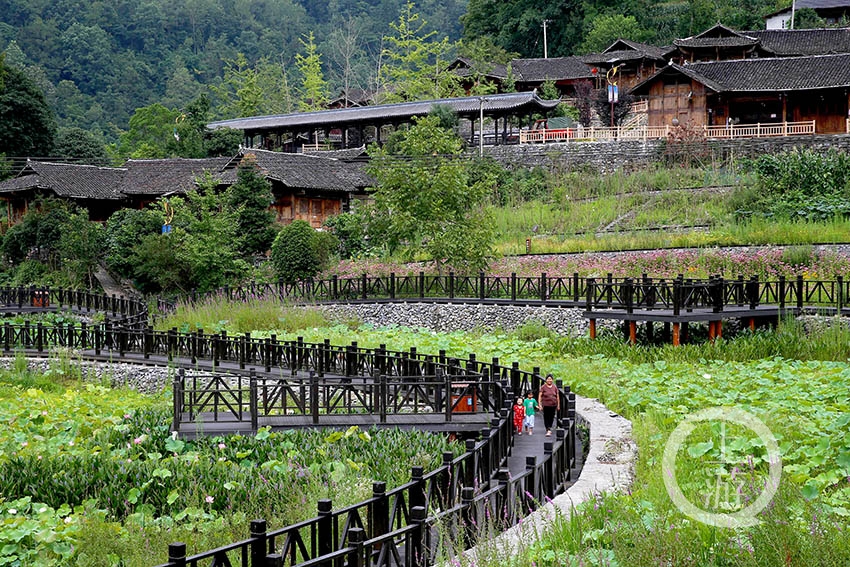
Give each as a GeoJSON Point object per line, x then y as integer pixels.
{"type": "Point", "coordinates": [756, 232]}
{"type": "Point", "coordinates": [214, 314]}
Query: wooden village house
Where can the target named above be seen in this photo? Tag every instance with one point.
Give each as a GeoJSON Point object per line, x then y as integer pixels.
{"type": "Point", "coordinates": [311, 188]}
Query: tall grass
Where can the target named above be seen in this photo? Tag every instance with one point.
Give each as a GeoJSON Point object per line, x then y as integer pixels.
{"type": "Point", "coordinates": [216, 313]}
{"type": "Point", "coordinates": [791, 339]}
{"type": "Point", "coordinates": [754, 232]}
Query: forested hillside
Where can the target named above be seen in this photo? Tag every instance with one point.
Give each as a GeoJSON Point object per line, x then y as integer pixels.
{"type": "Point", "coordinates": [98, 61]}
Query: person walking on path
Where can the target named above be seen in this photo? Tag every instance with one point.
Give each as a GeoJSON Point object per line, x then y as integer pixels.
{"type": "Point", "coordinates": [550, 400]}
{"type": "Point", "coordinates": [530, 406]}
{"type": "Point", "coordinates": [519, 416]}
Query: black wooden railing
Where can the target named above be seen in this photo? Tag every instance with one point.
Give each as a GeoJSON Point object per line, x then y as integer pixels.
{"type": "Point", "coordinates": [678, 294]}
{"type": "Point", "coordinates": [405, 526]}
{"type": "Point", "coordinates": [392, 528]}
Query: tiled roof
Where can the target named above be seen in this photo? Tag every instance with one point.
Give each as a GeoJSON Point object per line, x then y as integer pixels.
{"type": "Point", "coordinates": [69, 180]}
{"type": "Point", "coordinates": [466, 106]}
{"type": "Point", "coordinates": [768, 74]}
{"type": "Point", "coordinates": [300, 171]}
{"type": "Point", "coordinates": [161, 176]}
{"type": "Point", "coordinates": [552, 69]}
{"type": "Point", "coordinates": [803, 42]}
{"type": "Point", "coordinates": [717, 36]}
{"type": "Point", "coordinates": [462, 67]}
{"type": "Point", "coordinates": [649, 51]}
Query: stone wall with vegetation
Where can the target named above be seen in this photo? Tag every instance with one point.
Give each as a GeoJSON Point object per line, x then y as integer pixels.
{"type": "Point", "coordinates": [610, 156]}
{"type": "Point", "coordinates": [461, 316]}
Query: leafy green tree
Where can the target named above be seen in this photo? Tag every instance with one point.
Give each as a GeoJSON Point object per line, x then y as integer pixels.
{"type": "Point", "coordinates": [807, 18]}
{"type": "Point", "coordinates": [80, 248]}
{"type": "Point", "coordinates": [39, 232]}
{"type": "Point", "coordinates": [428, 201]}
{"type": "Point", "coordinates": [483, 54]}
{"type": "Point", "coordinates": [413, 65]}
{"type": "Point", "coordinates": [151, 134]}
{"type": "Point", "coordinates": [125, 229]}
{"type": "Point", "coordinates": [608, 28]}
{"type": "Point", "coordinates": [294, 254]}
{"type": "Point", "coordinates": [222, 142]}
{"type": "Point", "coordinates": [249, 90]}
{"type": "Point", "coordinates": [249, 199]}
{"type": "Point", "coordinates": [199, 253]}
{"type": "Point", "coordinates": [516, 26]}
{"type": "Point", "coordinates": [80, 146]}
{"type": "Point", "coordinates": [27, 125]}
{"type": "Point", "coordinates": [314, 89]}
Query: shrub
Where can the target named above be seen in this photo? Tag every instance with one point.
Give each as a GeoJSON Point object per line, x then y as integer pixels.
{"type": "Point", "coordinates": [294, 253]}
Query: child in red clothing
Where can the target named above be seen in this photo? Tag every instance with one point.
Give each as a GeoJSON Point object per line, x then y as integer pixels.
{"type": "Point", "coordinates": [519, 415]}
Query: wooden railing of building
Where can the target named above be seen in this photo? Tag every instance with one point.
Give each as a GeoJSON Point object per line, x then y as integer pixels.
{"type": "Point", "coordinates": [594, 134]}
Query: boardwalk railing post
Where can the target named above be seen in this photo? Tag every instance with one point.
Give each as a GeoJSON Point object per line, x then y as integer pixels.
{"type": "Point", "coordinates": [392, 285]}
{"type": "Point", "coordinates": [356, 537]}
{"type": "Point", "coordinates": [177, 401]}
{"type": "Point", "coordinates": [451, 285]}
{"type": "Point", "coordinates": [513, 286]}
{"type": "Point", "coordinates": [274, 560]}
{"type": "Point", "coordinates": [588, 304]}
{"type": "Point", "coordinates": [781, 292]}
{"type": "Point", "coordinates": [177, 554]}
{"type": "Point", "coordinates": [254, 402]}
{"type": "Point", "coordinates": [383, 393]}
{"type": "Point", "coordinates": [800, 292]}
{"type": "Point", "coordinates": [379, 510]}
{"type": "Point", "coordinates": [548, 470]}
{"type": "Point", "coordinates": [325, 537]}
{"type": "Point", "coordinates": [314, 397]}
{"type": "Point", "coordinates": [416, 494]}
{"type": "Point", "coordinates": [839, 294]}
{"type": "Point", "coordinates": [468, 516]}
{"type": "Point", "coordinates": [421, 285]}
{"type": "Point", "coordinates": [258, 545]}
{"type": "Point", "coordinates": [471, 469]}
{"type": "Point", "coordinates": [544, 288]}
{"type": "Point", "coordinates": [446, 496]}
{"type": "Point", "coordinates": [416, 550]}
{"type": "Point", "coordinates": [482, 287]}
{"type": "Point", "coordinates": [576, 290]}
{"type": "Point", "coordinates": [532, 498]}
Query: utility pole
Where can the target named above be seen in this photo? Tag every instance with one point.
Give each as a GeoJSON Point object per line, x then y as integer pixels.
{"type": "Point", "coordinates": [545, 43]}
{"type": "Point", "coordinates": [793, 9]}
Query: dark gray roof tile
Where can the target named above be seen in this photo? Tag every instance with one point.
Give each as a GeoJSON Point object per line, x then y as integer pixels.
{"type": "Point", "coordinates": [300, 171]}
{"type": "Point", "coordinates": [69, 180]}
{"type": "Point", "coordinates": [157, 177]}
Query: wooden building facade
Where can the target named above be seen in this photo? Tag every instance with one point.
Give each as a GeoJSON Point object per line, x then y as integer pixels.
{"type": "Point", "coordinates": [752, 91]}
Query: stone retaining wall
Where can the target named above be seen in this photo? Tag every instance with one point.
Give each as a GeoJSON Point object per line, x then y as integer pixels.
{"type": "Point", "coordinates": [613, 155]}
{"type": "Point", "coordinates": [461, 316]}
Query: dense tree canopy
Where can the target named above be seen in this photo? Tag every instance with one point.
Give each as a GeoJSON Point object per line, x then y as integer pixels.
{"type": "Point", "coordinates": [27, 125]}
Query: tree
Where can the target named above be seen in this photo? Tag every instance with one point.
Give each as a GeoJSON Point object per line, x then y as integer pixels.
{"type": "Point", "coordinates": [250, 91]}
{"type": "Point", "coordinates": [516, 26]}
{"type": "Point", "coordinates": [27, 126]}
{"type": "Point", "coordinates": [294, 254]}
{"type": "Point", "coordinates": [346, 54]}
{"type": "Point", "coordinates": [608, 28]}
{"type": "Point", "coordinates": [584, 102]}
{"type": "Point", "coordinates": [428, 201]}
{"type": "Point", "coordinates": [80, 146]}
{"type": "Point", "coordinates": [151, 133]}
{"type": "Point", "coordinates": [807, 18]}
{"type": "Point", "coordinates": [483, 55]}
{"type": "Point", "coordinates": [314, 89]}
{"type": "Point", "coordinates": [413, 63]}
{"type": "Point", "coordinates": [621, 108]}
{"type": "Point", "coordinates": [249, 199]}
{"type": "Point", "coordinates": [125, 229]}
